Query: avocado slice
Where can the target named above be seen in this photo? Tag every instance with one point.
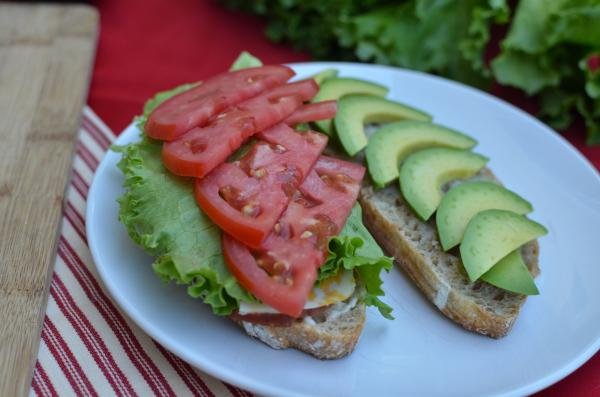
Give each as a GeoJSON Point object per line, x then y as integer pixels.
{"type": "Point", "coordinates": [423, 174]}
{"type": "Point", "coordinates": [464, 201]}
{"type": "Point", "coordinates": [335, 88]}
{"type": "Point", "coordinates": [354, 111]}
{"type": "Point", "coordinates": [512, 274]}
{"type": "Point", "coordinates": [493, 234]}
{"type": "Point", "coordinates": [393, 142]}
{"type": "Point", "coordinates": [323, 75]}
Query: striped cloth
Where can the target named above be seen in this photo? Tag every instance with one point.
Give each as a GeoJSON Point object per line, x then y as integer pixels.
{"type": "Point", "coordinates": [88, 347]}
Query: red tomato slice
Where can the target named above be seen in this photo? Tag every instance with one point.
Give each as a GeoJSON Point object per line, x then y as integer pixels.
{"type": "Point", "coordinates": [327, 194]}
{"type": "Point", "coordinates": [247, 197]}
{"type": "Point", "coordinates": [273, 289]}
{"type": "Point", "coordinates": [194, 107]}
{"type": "Point", "coordinates": [313, 112]}
{"type": "Point", "coordinates": [282, 272]}
{"type": "Point", "coordinates": [200, 150]}
{"type": "Point", "coordinates": [306, 89]}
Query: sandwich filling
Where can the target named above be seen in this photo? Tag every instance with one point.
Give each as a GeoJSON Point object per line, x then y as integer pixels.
{"type": "Point", "coordinates": [331, 291]}
{"type": "Point", "coordinates": [160, 213]}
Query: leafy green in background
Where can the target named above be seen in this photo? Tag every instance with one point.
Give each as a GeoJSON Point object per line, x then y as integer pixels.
{"type": "Point", "coordinates": [545, 52]}
{"type": "Point", "coordinates": [307, 24]}
{"type": "Point", "coordinates": [444, 36]}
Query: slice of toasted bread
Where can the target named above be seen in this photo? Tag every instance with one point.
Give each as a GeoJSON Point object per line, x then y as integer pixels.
{"type": "Point", "coordinates": [478, 306]}
{"type": "Point", "coordinates": [334, 337]}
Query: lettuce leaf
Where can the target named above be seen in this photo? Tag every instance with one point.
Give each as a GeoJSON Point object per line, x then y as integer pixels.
{"type": "Point", "coordinates": [160, 214]}
{"type": "Point", "coordinates": [529, 72]}
{"type": "Point", "coordinates": [245, 60]}
{"type": "Point", "coordinates": [442, 36]}
{"type": "Point", "coordinates": [474, 44]}
{"type": "Point", "coordinates": [355, 249]}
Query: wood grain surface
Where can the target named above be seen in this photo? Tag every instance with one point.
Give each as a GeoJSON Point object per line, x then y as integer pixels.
{"type": "Point", "coordinates": [46, 53]}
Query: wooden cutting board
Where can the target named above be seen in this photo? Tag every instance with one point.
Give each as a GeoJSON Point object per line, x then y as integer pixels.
{"type": "Point", "coordinates": [46, 54]}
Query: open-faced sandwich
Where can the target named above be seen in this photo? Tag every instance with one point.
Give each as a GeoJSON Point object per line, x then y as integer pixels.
{"type": "Point", "coordinates": [230, 190]}
{"type": "Point", "coordinates": [233, 196]}
{"type": "Point", "coordinates": [476, 258]}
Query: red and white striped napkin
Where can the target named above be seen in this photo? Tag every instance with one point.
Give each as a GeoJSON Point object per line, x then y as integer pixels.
{"type": "Point", "coordinates": [88, 347]}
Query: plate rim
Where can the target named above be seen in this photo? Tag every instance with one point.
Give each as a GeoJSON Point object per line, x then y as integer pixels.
{"type": "Point", "coordinates": [249, 383]}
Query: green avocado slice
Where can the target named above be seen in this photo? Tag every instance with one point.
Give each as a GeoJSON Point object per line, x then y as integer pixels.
{"type": "Point", "coordinates": [512, 274]}
{"type": "Point", "coordinates": [323, 75]}
{"type": "Point", "coordinates": [391, 144]}
{"type": "Point", "coordinates": [464, 201]}
{"type": "Point", "coordinates": [354, 111]}
{"type": "Point", "coordinates": [423, 174]}
{"type": "Point", "coordinates": [493, 234]}
{"type": "Point", "coordinates": [337, 87]}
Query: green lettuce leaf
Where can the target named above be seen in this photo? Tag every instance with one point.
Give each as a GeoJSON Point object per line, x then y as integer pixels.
{"type": "Point", "coordinates": [160, 214]}
{"type": "Point", "coordinates": [540, 24]}
{"type": "Point", "coordinates": [592, 77]}
{"type": "Point", "coordinates": [443, 36]}
{"type": "Point", "coordinates": [545, 54]}
{"type": "Point", "coordinates": [245, 60]}
{"type": "Point", "coordinates": [556, 107]}
{"type": "Point", "coordinates": [590, 107]}
{"type": "Point", "coordinates": [529, 30]}
{"type": "Point", "coordinates": [473, 46]}
{"type": "Point", "coordinates": [529, 72]}
{"type": "Point", "coordinates": [590, 110]}
{"type": "Point", "coordinates": [577, 22]}
{"type": "Point", "coordinates": [355, 249]}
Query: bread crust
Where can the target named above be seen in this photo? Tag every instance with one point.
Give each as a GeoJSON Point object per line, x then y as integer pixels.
{"type": "Point", "coordinates": [414, 244]}
{"type": "Point", "coordinates": [330, 339]}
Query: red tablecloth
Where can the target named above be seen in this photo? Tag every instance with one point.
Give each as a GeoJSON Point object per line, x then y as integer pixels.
{"type": "Point", "coordinates": [149, 45]}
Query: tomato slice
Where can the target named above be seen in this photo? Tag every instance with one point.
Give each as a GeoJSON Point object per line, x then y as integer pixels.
{"type": "Point", "coordinates": [274, 289]}
{"type": "Point", "coordinates": [282, 272]}
{"type": "Point", "coordinates": [313, 112]}
{"type": "Point", "coordinates": [245, 198]}
{"type": "Point", "coordinates": [200, 150]}
{"type": "Point", "coordinates": [327, 194]}
{"type": "Point", "coordinates": [194, 107]}
{"type": "Point", "coordinates": [306, 89]}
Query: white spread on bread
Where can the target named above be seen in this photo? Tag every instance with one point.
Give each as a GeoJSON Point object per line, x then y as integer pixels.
{"type": "Point", "coordinates": [340, 308]}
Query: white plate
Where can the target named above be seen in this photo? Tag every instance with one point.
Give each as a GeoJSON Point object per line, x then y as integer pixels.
{"type": "Point", "coordinates": [421, 352]}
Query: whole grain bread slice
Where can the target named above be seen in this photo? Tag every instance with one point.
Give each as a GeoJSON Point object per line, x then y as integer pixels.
{"type": "Point", "coordinates": [334, 336]}
{"type": "Point", "coordinates": [415, 245]}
